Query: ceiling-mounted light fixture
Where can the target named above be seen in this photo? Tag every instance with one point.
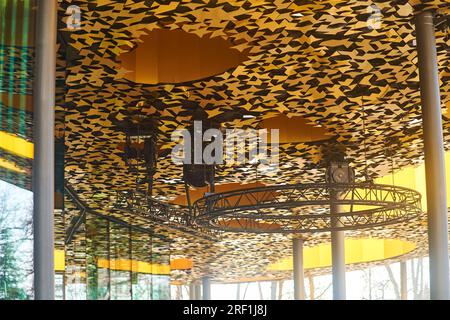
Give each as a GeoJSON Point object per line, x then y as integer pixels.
{"type": "Point", "coordinates": [296, 14]}
{"type": "Point", "coordinates": [414, 123]}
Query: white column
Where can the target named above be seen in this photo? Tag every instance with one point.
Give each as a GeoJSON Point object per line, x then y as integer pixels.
{"type": "Point", "coordinates": [206, 285]}
{"type": "Point", "coordinates": [299, 277]}
{"type": "Point", "coordinates": [337, 251]}
{"type": "Point", "coordinates": [403, 281]}
{"type": "Point", "coordinates": [43, 165]}
{"type": "Point", "coordinates": [434, 157]}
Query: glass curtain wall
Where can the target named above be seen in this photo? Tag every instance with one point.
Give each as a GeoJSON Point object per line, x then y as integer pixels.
{"type": "Point", "coordinates": [17, 25]}
{"type": "Point", "coordinates": [161, 264]}
{"type": "Point", "coordinates": [108, 260]}
{"type": "Point", "coordinates": [142, 272]}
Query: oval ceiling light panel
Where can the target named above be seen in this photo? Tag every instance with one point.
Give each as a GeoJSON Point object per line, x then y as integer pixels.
{"type": "Point", "coordinates": [176, 56]}
{"type": "Point", "coordinates": [295, 129]}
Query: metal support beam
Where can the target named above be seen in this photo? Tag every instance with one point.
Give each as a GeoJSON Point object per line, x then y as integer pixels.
{"type": "Point", "coordinates": [206, 285]}
{"type": "Point", "coordinates": [403, 281]}
{"type": "Point", "coordinates": [43, 165]}
{"type": "Point", "coordinates": [434, 157]}
{"type": "Point", "coordinates": [337, 251]}
{"type": "Point", "coordinates": [299, 277]}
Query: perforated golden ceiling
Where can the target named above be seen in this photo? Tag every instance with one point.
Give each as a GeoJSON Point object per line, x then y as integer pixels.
{"type": "Point", "coordinates": [319, 60]}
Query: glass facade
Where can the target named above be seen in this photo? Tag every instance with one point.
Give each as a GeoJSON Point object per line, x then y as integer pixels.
{"type": "Point", "coordinates": [100, 259]}
{"type": "Point", "coordinates": [17, 19]}
{"type": "Point", "coordinates": [109, 260]}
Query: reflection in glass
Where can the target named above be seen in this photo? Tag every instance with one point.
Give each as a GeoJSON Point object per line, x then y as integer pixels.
{"type": "Point", "coordinates": [97, 250]}
{"type": "Point", "coordinates": [120, 263]}
{"type": "Point", "coordinates": [16, 148]}
{"type": "Point", "coordinates": [16, 244]}
{"type": "Point", "coordinates": [110, 260]}
{"type": "Point", "coordinates": [141, 275]}
{"type": "Point", "coordinates": [75, 268]}
{"type": "Point", "coordinates": [161, 274]}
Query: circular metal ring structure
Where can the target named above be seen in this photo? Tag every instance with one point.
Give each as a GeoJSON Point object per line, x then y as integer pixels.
{"type": "Point", "coordinates": [305, 208]}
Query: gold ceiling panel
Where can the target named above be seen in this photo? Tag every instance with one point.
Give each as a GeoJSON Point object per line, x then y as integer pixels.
{"type": "Point", "coordinates": [176, 56]}
{"type": "Point", "coordinates": [321, 61]}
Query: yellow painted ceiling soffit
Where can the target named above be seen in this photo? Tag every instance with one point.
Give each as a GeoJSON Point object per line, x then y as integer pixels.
{"type": "Point", "coordinates": [118, 265]}
{"type": "Point", "coordinates": [60, 260]}
{"type": "Point", "coordinates": [16, 145]}
{"type": "Point", "coordinates": [11, 166]}
{"type": "Point", "coordinates": [356, 251]}
{"type": "Point", "coordinates": [414, 178]}
{"type": "Point", "coordinates": [134, 265]}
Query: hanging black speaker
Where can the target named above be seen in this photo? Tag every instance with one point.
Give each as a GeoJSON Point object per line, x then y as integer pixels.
{"type": "Point", "coordinates": [197, 174]}
{"type": "Point", "coordinates": [140, 149]}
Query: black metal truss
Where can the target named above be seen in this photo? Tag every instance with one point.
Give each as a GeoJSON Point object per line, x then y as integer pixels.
{"type": "Point", "coordinates": [175, 217]}
{"type": "Point", "coordinates": [78, 220]}
{"type": "Point", "coordinates": [304, 208]}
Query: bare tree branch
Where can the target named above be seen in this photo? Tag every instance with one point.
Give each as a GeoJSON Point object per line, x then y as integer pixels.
{"type": "Point", "coordinates": [393, 281]}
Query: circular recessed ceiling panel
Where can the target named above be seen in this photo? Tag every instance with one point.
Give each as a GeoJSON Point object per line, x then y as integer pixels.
{"type": "Point", "coordinates": [176, 56]}
{"type": "Point", "coordinates": [181, 264]}
{"type": "Point", "coordinates": [295, 129]}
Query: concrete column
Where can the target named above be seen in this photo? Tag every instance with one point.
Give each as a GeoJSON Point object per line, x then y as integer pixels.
{"type": "Point", "coordinates": [299, 277]}
{"type": "Point", "coordinates": [206, 285]}
{"type": "Point", "coordinates": [337, 251]}
{"type": "Point", "coordinates": [434, 157]}
{"type": "Point", "coordinates": [195, 291]}
{"type": "Point", "coordinates": [192, 291]}
{"type": "Point", "coordinates": [238, 292]}
{"type": "Point", "coordinates": [198, 291]}
{"type": "Point", "coordinates": [43, 165]}
{"type": "Point", "coordinates": [311, 287]}
{"type": "Point", "coordinates": [273, 290]}
{"type": "Point", "coordinates": [403, 281]}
